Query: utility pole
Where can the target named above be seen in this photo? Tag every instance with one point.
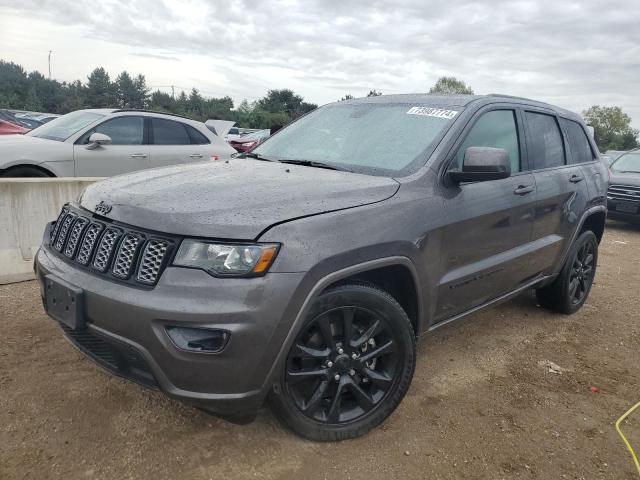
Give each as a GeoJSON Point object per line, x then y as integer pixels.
{"type": "Point", "coordinates": [173, 92]}
{"type": "Point", "coordinates": [50, 64]}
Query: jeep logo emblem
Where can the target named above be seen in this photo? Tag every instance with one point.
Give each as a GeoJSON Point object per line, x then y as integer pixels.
{"type": "Point", "coordinates": [103, 207]}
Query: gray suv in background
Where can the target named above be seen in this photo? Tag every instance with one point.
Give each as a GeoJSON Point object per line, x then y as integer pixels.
{"type": "Point", "coordinates": [106, 142]}
{"type": "Point", "coordinates": [304, 272]}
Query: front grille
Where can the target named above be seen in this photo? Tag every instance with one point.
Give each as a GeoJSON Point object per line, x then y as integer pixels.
{"type": "Point", "coordinates": [118, 252]}
{"type": "Point", "coordinates": [624, 192]}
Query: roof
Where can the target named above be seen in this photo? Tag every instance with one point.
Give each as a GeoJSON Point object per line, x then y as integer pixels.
{"type": "Point", "coordinates": [460, 101]}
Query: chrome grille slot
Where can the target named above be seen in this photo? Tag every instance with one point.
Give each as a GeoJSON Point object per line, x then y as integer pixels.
{"type": "Point", "coordinates": [88, 242]}
{"type": "Point", "coordinates": [74, 236]}
{"type": "Point", "coordinates": [126, 255]}
{"type": "Point", "coordinates": [624, 192]}
{"type": "Point", "coordinates": [64, 231]}
{"type": "Point", "coordinates": [56, 228]}
{"type": "Point", "coordinates": [114, 251]}
{"type": "Point", "coordinates": [105, 248]}
{"type": "Point", "coordinates": [152, 257]}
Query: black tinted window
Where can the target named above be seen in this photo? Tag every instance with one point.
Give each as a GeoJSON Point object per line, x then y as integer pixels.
{"type": "Point", "coordinates": [495, 129]}
{"type": "Point", "coordinates": [167, 132]}
{"type": "Point", "coordinates": [196, 137]}
{"type": "Point", "coordinates": [123, 130]}
{"type": "Point", "coordinates": [546, 148]}
{"type": "Point", "coordinates": [578, 142]}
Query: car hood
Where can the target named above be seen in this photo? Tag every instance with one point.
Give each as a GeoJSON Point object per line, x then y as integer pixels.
{"type": "Point", "coordinates": [620, 178]}
{"type": "Point", "coordinates": [15, 148]}
{"type": "Point", "coordinates": [237, 199]}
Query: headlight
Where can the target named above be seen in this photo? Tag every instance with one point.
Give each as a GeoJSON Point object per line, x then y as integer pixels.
{"type": "Point", "coordinates": [226, 259]}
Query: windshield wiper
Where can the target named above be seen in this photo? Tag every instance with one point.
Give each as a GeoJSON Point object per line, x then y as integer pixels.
{"type": "Point", "coordinates": [311, 163]}
{"type": "Point", "coordinates": [257, 156]}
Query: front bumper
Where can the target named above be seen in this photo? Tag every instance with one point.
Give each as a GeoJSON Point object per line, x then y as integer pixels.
{"type": "Point", "coordinates": [258, 313]}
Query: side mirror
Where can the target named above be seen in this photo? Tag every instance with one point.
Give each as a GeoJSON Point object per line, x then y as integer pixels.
{"type": "Point", "coordinates": [481, 164]}
{"type": "Point", "coordinates": [97, 139]}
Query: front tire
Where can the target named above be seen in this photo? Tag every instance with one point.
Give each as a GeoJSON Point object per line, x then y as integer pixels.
{"type": "Point", "coordinates": [349, 367]}
{"type": "Point", "coordinates": [570, 289]}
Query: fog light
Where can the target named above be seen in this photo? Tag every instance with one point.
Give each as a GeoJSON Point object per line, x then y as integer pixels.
{"type": "Point", "coordinates": [198, 340]}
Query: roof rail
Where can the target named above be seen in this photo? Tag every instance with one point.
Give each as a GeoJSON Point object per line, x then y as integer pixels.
{"type": "Point", "coordinates": [142, 110]}
{"type": "Point", "coordinates": [512, 96]}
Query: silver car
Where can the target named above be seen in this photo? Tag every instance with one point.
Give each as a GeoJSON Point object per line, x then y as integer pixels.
{"type": "Point", "coordinates": [106, 142]}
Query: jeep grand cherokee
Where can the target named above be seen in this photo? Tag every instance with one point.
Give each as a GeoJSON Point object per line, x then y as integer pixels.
{"type": "Point", "coordinates": [304, 273]}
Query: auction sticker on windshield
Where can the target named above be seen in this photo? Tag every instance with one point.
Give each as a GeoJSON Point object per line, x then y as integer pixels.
{"type": "Point", "coordinates": [432, 112]}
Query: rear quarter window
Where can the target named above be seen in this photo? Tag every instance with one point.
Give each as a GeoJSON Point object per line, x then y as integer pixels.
{"type": "Point", "coordinates": [579, 146]}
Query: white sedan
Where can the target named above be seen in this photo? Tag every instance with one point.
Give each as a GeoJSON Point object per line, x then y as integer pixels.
{"type": "Point", "coordinates": [106, 142]}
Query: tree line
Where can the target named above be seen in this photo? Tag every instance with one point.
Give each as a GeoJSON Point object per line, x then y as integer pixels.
{"type": "Point", "coordinates": [32, 91]}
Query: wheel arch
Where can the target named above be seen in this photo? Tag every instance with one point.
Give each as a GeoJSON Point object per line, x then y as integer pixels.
{"type": "Point", "coordinates": [362, 271]}
{"type": "Point", "coordinates": [595, 222]}
{"type": "Point", "coordinates": [33, 166]}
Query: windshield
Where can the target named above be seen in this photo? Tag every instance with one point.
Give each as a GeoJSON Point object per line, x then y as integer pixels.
{"type": "Point", "coordinates": [627, 163]}
{"type": "Point", "coordinates": [373, 138]}
{"type": "Point", "coordinates": [61, 128]}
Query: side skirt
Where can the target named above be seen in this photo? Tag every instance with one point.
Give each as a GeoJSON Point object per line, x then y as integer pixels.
{"type": "Point", "coordinates": [503, 298]}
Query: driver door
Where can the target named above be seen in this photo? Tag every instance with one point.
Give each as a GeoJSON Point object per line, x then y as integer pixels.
{"type": "Point", "coordinates": [128, 152]}
{"type": "Point", "coordinates": [486, 240]}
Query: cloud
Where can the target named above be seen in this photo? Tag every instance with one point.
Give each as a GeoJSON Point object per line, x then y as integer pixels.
{"type": "Point", "coordinates": [572, 53]}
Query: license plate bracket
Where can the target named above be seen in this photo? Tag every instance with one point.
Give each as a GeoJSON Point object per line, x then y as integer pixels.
{"type": "Point", "coordinates": [64, 302]}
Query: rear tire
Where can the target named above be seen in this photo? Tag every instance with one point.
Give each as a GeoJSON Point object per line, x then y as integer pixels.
{"type": "Point", "coordinates": [349, 367]}
{"type": "Point", "coordinates": [570, 289]}
{"type": "Point", "coordinates": [24, 172]}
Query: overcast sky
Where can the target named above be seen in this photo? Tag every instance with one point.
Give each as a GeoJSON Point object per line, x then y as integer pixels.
{"type": "Point", "coordinates": [573, 54]}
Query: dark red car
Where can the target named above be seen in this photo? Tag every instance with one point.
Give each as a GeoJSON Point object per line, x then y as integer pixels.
{"type": "Point", "coordinates": [246, 143]}
{"type": "Point", "coordinates": [8, 128]}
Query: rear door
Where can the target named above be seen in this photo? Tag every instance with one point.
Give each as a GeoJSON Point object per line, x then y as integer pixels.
{"type": "Point", "coordinates": [128, 151]}
{"type": "Point", "coordinates": [562, 193]}
{"type": "Point", "coordinates": [582, 153]}
{"type": "Point", "coordinates": [486, 242]}
{"type": "Point", "coordinates": [173, 142]}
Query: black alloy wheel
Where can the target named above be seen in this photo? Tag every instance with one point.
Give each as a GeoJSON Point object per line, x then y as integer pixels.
{"type": "Point", "coordinates": [349, 366]}
{"type": "Point", "coordinates": [570, 289]}
{"type": "Point", "coordinates": [342, 365]}
{"type": "Point", "coordinates": [581, 275]}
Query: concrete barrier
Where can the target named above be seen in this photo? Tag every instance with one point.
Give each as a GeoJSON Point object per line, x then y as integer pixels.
{"type": "Point", "coordinates": [26, 205]}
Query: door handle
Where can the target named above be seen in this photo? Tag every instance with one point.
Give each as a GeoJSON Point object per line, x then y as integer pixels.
{"type": "Point", "coordinates": [196, 155]}
{"type": "Point", "coordinates": [524, 189]}
{"type": "Point", "coordinates": [576, 179]}
{"type": "Point", "coordinates": [138, 155]}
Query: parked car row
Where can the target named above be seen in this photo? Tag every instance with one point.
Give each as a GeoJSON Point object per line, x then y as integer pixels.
{"type": "Point", "coordinates": [106, 142]}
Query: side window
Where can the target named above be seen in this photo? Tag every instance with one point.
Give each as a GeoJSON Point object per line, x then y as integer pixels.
{"type": "Point", "coordinates": [196, 137]}
{"type": "Point", "coordinates": [122, 130]}
{"type": "Point", "coordinates": [578, 142]}
{"type": "Point", "coordinates": [167, 132]}
{"type": "Point", "coordinates": [546, 148]}
{"type": "Point", "coordinates": [495, 129]}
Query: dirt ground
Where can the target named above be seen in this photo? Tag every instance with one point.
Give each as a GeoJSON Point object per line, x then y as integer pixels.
{"type": "Point", "coordinates": [480, 406]}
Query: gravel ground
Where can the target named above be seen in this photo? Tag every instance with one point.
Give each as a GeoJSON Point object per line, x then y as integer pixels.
{"type": "Point", "coordinates": [480, 407]}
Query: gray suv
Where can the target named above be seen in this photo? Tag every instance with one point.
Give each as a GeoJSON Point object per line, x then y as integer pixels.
{"type": "Point", "coordinates": [304, 272]}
